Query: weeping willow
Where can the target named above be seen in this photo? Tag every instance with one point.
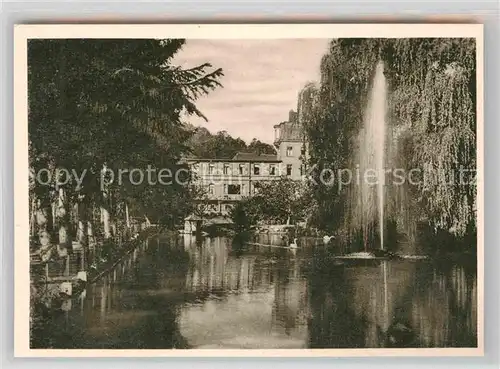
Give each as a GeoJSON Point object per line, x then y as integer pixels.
{"type": "Point", "coordinates": [433, 100]}
{"type": "Point", "coordinates": [432, 120]}
{"type": "Point", "coordinates": [334, 122]}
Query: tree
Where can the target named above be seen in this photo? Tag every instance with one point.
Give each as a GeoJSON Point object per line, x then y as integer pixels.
{"type": "Point", "coordinates": [203, 144]}
{"type": "Point", "coordinates": [107, 105]}
{"type": "Point", "coordinates": [281, 201]}
{"type": "Point", "coordinates": [434, 105]}
{"type": "Point", "coordinates": [201, 203]}
{"type": "Point", "coordinates": [432, 119]}
{"type": "Point", "coordinates": [260, 147]}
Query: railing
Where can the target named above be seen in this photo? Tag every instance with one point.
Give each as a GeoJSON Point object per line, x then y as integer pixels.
{"type": "Point", "coordinates": [55, 264]}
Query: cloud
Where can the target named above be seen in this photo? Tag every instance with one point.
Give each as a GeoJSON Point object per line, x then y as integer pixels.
{"type": "Point", "coordinates": [262, 79]}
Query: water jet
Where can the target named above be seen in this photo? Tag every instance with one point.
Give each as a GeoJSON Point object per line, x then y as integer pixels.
{"type": "Point", "coordinates": [370, 192]}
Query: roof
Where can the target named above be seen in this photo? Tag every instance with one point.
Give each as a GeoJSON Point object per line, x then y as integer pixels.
{"type": "Point", "coordinates": [239, 157]}
{"type": "Point", "coordinates": [250, 156]}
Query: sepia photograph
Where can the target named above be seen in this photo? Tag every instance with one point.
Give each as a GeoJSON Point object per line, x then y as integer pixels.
{"type": "Point", "coordinates": [289, 189]}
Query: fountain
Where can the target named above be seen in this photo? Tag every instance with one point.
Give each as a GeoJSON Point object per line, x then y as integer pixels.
{"type": "Point", "coordinates": [368, 195]}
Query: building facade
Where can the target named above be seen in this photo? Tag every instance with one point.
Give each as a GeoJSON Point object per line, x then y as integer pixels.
{"type": "Point", "coordinates": [223, 182]}
{"type": "Point", "coordinates": [290, 143]}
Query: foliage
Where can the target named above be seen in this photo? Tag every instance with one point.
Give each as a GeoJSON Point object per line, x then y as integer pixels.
{"type": "Point", "coordinates": [105, 106]}
{"type": "Point", "coordinates": [201, 200]}
{"type": "Point", "coordinates": [203, 144]}
{"type": "Point", "coordinates": [432, 98]}
{"type": "Point", "coordinates": [260, 147]}
{"type": "Point", "coordinates": [277, 202]}
{"type": "Point", "coordinates": [113, 103]}
{"type": "Point", "coordinates": [335, 120]}
{"type": "Point", "coordinates": [440, 118]}
{"type": "Point", "coordinates": [243, 216]}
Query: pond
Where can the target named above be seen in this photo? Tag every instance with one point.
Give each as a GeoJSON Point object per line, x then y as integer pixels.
{"type": "Point", "coordinates": [174, 292]}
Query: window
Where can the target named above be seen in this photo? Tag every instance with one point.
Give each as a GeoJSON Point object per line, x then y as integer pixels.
{"type": "Point", "coordinates": [211, 169]}
{"type": "Point", "coordinates": [227, 207]}
{"type": "Point", "coordinates": [289, 151]}
{"type": "Point", "coordinates": [256, 169]}
{"type": "Point", "coordinates": [225, 189]}
{"type": "Point", "coordinates": [289, 169]}
{"type": "Point", "coordinates": [241, 168]}
{"type": "Point", "coordinates": [211, 189]}
{"type": "Point", "coordinates": [256, 187]}
{"type": "Point", "coordinates": [243, 189]}
{"type": "Point", "coordinates": [234, 189]}
{"type": "Point", "coordinates": [272, 169]}
{"type": "Point", "coordinates": [226, 168]}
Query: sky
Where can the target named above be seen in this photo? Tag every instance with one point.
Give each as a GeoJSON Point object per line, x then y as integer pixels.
{"type": "Point", "coordinates": [262, 79]}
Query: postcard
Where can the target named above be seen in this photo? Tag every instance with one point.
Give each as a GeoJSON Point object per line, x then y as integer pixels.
{"type": "Point", "coordinates": [249, 190]}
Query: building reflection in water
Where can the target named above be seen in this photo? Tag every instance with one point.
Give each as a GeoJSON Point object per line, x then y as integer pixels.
{"type": "Point", "coordinates": [291, 309]}
{"type": "Point", "coordinates": [246, 300]}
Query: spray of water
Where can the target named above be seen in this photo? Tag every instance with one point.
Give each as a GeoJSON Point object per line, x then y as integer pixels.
{"type": "Point", "coordinates": [369, 209]}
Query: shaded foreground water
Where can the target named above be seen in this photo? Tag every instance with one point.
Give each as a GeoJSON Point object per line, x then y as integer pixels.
{"type": "Point", "coordinates": [174, 293]}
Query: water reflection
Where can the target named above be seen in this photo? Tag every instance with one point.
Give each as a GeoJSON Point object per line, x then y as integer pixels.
{"type": "Point", "coordinates": [394, 304]}
{"type": "Point", "coordinates": [177, 292]}
{"type": "Point", "coordinates": [245, 298]}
